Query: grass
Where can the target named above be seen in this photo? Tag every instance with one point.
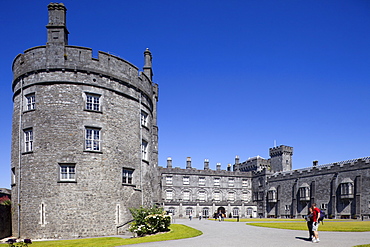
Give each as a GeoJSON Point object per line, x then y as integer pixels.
{"type": "Point", "coordinates": [177, 232]}
{"type": "Point", "coordinates": [329, 225]}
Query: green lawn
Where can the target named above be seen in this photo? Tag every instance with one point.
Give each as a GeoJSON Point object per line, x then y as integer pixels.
{"type": "Point", "coordinates": [329, 225]}
{"type": "Point", "coordinates": [177, 232]}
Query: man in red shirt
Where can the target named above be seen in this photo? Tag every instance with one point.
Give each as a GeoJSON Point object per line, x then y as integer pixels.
{"type": "Point", "coordinates": [315, 225]}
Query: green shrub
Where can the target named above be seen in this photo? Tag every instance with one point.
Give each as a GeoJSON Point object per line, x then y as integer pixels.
{"type": "Point", "coordinates": [149, 221]}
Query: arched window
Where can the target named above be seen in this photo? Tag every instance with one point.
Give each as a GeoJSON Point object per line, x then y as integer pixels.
{"type": "Point", "coordinates": [188, 211]}
{"type": "Point", "coordinates": [249, 212]}
{"type": "Point", "coordinates": [205, 212]}
{"type": "Point", "coordinates": [217, 196]}
{"type": "Point", "coordinates": [235, 212]}
{"type": "Point", "coordinates": [186, 195]}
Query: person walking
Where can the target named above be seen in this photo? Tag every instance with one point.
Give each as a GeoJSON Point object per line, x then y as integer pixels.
{"type": "Point", "coordinates": [315, 223]}
{"type": "Point", "coordinates": [200, 215]}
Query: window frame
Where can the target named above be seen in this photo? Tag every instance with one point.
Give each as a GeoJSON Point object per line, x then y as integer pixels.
{"type": "Point", "coordinates": [216, 181]}
{"type": "Point", "coordinates": [30, 101]}
{"type": "Point", "coordinates": [91, 146]}
{"type": "Point", "coordinates": [144, 150]}
{"type": "Point", "coordinates": [144, 117]}
{"type": "Point", "coordinates": [185, 180]}
{"type": "Point", "coordinates": [127, 176]}
{"type": "Point", "coordinates": [28, 136]}
{"type": "Point", "coordinates": [70, 176]}
{"type": "Point", "coordinates": [93, 103]}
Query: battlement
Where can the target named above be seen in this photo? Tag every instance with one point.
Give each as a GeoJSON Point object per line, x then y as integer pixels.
{"type": "Point", "coordinates": [276, 151]}
{"type": "Point", "coordinates": [353, 164]}
{"type": "Point", "coordinates": [79, 60]}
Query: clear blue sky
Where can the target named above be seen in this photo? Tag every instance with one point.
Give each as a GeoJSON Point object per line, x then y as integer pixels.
{"type": "Point", "coordinates": [234, 75]}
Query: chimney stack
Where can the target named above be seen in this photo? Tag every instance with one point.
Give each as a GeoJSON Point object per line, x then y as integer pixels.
{"type": "Point", "coordinates": [169, 162]}
{"type": "Point", "coordinates": [188, 163]}
{"type": "Point", "coordinates": [206, 164]}
{"type": "Point", "coordinates": [218, 166]}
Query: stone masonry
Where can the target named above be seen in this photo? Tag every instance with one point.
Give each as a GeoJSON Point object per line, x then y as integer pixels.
{"type": "Point", "coordinates": [84, 139]}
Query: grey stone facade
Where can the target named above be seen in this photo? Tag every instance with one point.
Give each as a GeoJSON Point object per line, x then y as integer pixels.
{"type": "Point", "coordinates": [192, 191]}
{"type": "Point", "coordinates": [84, 138]}
{"type": "Point", "coordinates": [340, 189]}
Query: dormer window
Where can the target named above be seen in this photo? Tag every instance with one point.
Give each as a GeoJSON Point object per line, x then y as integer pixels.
{"type": "Point", "coordinates": [346, 189]}
{"type": "Point", "coordinates": [304, 192]}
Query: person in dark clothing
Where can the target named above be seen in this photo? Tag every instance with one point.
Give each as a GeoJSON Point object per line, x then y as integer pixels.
{"type": "Point", "coordinates": [309, 223]}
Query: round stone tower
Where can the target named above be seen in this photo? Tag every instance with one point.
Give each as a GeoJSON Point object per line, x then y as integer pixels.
{"type": "Point", "coordinates": [84, 139]}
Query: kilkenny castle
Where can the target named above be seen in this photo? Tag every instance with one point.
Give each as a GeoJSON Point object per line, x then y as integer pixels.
{"type": "Point", "coordinates": [85, 150]}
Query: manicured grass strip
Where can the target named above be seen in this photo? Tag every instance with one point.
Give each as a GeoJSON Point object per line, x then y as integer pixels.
{"type": "Point", "coordinates": [258, 219]}
{"type": "Point", "coordinates": [363, 245]}
{"type": "Point", "coordinates": [332, 226]}
{"type": "Point", "coordinates": [177, 232]}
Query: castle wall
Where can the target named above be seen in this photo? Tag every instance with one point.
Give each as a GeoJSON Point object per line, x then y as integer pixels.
{"type": "Point", "coordinates": [324, 188]}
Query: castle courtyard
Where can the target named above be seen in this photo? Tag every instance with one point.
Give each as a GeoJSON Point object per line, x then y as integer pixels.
{"type": "Point", "coordinates": [239, 234]}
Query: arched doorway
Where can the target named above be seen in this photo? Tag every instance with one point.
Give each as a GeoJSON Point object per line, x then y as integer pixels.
{"type": "Point", "coordinates": [221, 210]}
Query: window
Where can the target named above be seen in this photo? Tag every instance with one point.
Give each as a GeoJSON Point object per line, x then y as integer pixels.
{"type": "Point", "coordinates": [231, 182]}
{"type": "Point", "coordinates": [92, 102]}
{"type": "Point", "coordinates": [202, 181]}
{"type": "Point", "coordinates": [304, 192]}
{"type": "Point", "coordinates": [30, 102]}
{"type": "Point", "coordinates": [186, 180]}
{"type": "Point", "coordinates": [172, 211]}
{"type": "Point", "coordinates": [169, 194]}
{"type": "Point", "coordinates": [144, 119]}
{"type": "Point", "coordinates": [127, 175]}
{"type": "Point", "coordinates": [249, 211]}
{"type": "Point", "coordinates": [189, 211]}
{"type": "Point", "coordinates": [231, 196]}
{"type": "Point", "coordinates": [346, 189]}
{"type": "Point", "coordinates": [144, 150]}
{"type": "Point", "coordinates": [67, 172]}
{"type": "Point", "coordinates": [217, 196]}
{"type": "Point", "coordinates": [168, 179]}
{"type": "Point", "coordinates": [235, 212]}
{"type": "Point", "coordinates": [13, 175]}
{"type": "Point", "coordinates": [246, 196]}
{"type": "Point", "coordinates": [217, 182]}
{"type": "Point", "coordinates": [92, 139]}
{"type": "Point", "coordinates": [272, 195]}
{"type": "Point", "coordinates": [245, 183]}
{"type": "Point", "coordinates": [202, 195]}
{"type": "Point", "coordinates": [186, 195]}
{"type": "Point", "coordinates": [28, 140]}
{"type": "Point", "coordinates": [205, 212]}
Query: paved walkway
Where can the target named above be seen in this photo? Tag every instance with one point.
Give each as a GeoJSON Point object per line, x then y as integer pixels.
{"type": "Point", "coordinates": [230, 234]}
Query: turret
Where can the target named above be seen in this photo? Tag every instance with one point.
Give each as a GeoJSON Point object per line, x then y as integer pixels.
{"type": "Point", "coordinates": [281, 158]}
{"type": "Point", "coordinates": [148, 64]}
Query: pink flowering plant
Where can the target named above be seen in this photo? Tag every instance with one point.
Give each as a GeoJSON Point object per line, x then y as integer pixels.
{"type": "Point", "coordinates": [149, 221]}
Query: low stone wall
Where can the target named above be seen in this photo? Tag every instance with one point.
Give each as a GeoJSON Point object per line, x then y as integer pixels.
{"type": "Point", "coordinates": [6, 223]}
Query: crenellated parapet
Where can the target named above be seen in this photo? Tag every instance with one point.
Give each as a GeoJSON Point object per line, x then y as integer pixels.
{"type": "Point", "coordinates": [280, 150]}
{"type": "Point", "coordinates": [332, 168]}
{"type": "Point", "coordinates": [106, 71]}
